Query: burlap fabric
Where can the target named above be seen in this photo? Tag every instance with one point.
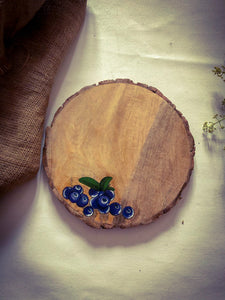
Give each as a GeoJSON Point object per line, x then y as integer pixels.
{"type": "Point", "coordinates": [35, 54]}
{"type": "Point", "coordinates": [14, 14]}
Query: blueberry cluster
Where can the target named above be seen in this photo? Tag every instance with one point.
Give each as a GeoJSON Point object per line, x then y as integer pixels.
{"type": "Point", "coordinates": [75, 195]}
{"type": "Point", "coordinates": [100, 200]}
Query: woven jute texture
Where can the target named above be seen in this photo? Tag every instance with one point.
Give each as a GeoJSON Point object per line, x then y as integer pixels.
{"type": "Point", "coordinates": [36, 52]}
{"type": "Point", "coordinates": [14, 14]}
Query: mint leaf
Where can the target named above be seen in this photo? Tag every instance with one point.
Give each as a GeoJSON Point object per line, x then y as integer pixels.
{"type": "Point", "coordinates": [104, 184]}
{"type": "Point", "coordinates": [110, 188]}
{"type": "Point", "coordinates": [92, 183]}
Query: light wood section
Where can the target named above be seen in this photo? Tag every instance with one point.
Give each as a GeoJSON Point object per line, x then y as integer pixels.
{"type": "Point", "coordinates": [130, 132]}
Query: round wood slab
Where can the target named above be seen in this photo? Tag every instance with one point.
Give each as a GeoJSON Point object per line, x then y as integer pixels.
{"type": "Point", "coordinates": [130, 132]}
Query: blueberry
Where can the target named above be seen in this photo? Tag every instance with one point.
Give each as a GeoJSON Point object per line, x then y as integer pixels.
{"type": "Point", "coordinates": [103, 201]}
{"type": "Point", "coordinates": [78, 188]}
{"type": "Point", "coordinates": [110, 194]}
{"type": "Point", "coordinates": [74, 196]}
{"type": "Point", "coordinates": [88, 211]}
{"type": "Point", "coordinates": [93, 193]}
{"type": "Point", "coordinates": [104, 210]}
{"type": "Point", "coordinates": [115, 208]}
{"type": "Point", "coordinates": [94, 202]}
{"type": "Point", "coordinates": [66, 192]}
{"type": "Point", "coordinates": [83, 200]}
{"type": "Point", "coordinates": [128, 212]}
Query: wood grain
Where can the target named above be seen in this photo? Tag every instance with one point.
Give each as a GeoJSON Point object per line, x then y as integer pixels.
{"type": "Point", "coordinates": [130, 132]}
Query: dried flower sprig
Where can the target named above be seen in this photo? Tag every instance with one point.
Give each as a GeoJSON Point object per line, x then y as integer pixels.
{"type": "Point", "coordinates": [211, 126]}
{"type": "Point", "coordinates": [220, 72]}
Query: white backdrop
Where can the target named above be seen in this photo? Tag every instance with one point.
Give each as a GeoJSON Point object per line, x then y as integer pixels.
{"type": "Point", "coordinates": [46, 253]}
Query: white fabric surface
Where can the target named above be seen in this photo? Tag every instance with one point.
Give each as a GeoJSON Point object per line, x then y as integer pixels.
{"type": "Point", "coordinates": [46, 253]}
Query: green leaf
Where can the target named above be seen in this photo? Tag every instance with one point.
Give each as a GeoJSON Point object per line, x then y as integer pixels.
{"type": "Point", "coordinates": [92, 183]}
{"type": "Point", "coordinates": [104, 184]}
{"type": "Point", "coordinates": [110, 188]}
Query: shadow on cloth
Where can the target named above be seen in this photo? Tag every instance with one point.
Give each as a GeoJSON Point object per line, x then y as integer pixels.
{"type": "Point", "coordinates": [14, 213]}
{"type": "Point", "coordinates": [215, 142]}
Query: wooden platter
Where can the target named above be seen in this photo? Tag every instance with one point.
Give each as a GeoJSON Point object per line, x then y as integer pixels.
{"type": "Point", "coordinates": [130, 132]}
